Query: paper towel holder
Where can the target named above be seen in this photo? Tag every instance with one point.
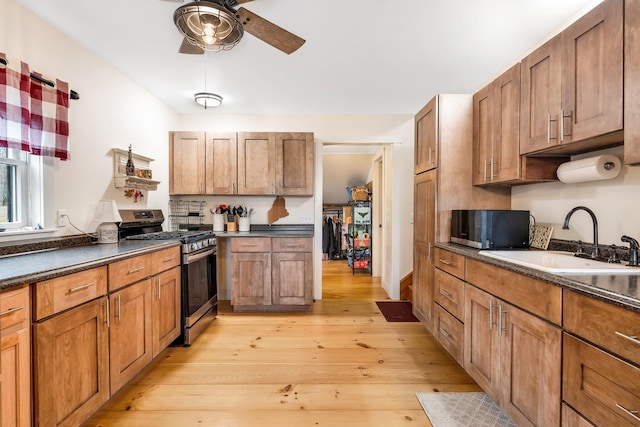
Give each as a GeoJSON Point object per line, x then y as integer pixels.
{"type": "Point", "coordinates": [595, 168]}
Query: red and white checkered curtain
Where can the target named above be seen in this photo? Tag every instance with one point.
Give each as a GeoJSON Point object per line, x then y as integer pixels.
{"type": "Point", "coordinates": [33, 117]}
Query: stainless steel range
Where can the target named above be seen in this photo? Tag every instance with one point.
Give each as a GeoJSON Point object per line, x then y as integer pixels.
{"type": "Point", "coordinates": [198, 266]}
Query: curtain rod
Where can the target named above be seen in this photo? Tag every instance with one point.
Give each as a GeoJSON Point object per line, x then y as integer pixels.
{"type": "Point", "coordinates": [72, 93]}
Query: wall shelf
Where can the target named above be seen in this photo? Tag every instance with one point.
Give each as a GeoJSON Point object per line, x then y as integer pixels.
{"type": "Point", "coordinates": [142, 180]}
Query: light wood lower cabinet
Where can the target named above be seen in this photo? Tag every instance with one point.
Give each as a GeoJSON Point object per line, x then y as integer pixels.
{"type": "Point", "coordinates": [88, 344]}
{"type": "Point", "coordinates": [166, 309]}
{"type": "Point", "coordinates": [604, 388]}
{"type": "Point", "coordinates": [130, 332]}
{"type": "Point", "coordinates": [71, 365]}
{"type": "Point", "coordinates": [515, 357]}
{"type": "Point", "coordinates": [15, 358]}
{"type": "Point", "coordinates": [271, 274]}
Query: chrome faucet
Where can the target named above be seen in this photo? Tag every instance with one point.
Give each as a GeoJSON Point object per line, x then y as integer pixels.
{"type": "Point", "coordinates": [595, 252]}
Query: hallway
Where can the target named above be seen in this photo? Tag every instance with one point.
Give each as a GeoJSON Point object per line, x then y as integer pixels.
{"type": "Point", "coordinates": [340, 365]}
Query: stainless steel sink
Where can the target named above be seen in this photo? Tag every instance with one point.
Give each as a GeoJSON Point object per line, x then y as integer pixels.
{"type": "Point", "coordinates": [563, 263]}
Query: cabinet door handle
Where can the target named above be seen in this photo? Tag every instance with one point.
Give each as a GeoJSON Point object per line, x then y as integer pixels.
{"type": "Point", "coordinates": [445, 262]}
{"type": "Point", "coordinates": [629, 412]}
{"type": "Point", "coordinates": [445, 293]}
{"type": "Point", "coordinates": [119, 296]}
{"type": "Point", "coordinates": [135, 270]}
{"type": "Point", "coordinates": [633, 338]}
{"type": "Point", "coordinates": [445, 333]}
{"type": "Point", "coordinates": [490, 315]}
{"type": "Point", "coordinates": [493, 175]}
{"type": "Point", "coordinates": [549, 121]}
{"type": "Point", "coordinates": [11, 310]}
{"type": "Point", "coordinates": [159, 288]}
{"type": "Point", "coordinates": [430, 155]}
{"type": "Point", "coordinates": [486, 163]}
{"type": "Point", "coordinates": [501, 327]}
{"type": "Point", "coordinates": [565, 116]}
{"type": "Point", "coordinates": [107, 310]}
{"type": "Point", "coordinates": [169, 258]}
{"type": "Point", "coordinates": [81, 287]}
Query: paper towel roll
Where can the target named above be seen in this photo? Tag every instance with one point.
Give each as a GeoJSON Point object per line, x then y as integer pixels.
{"type": "Point", "coordinates": [595, 168]}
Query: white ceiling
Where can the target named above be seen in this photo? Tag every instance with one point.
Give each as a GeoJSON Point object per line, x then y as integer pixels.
{"type": "Point", "coordinates": [360, 56]}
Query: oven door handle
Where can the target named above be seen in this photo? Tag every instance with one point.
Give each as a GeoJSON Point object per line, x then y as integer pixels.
{"type": "Point", "coordinates": [196, 257]}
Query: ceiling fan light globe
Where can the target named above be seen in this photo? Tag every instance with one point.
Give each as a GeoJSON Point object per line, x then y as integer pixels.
{"type": "Point", "coordinates": [208, 25]}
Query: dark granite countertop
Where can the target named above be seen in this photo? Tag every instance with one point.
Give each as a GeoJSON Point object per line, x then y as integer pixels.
{"type": "Point", "coordinates": [24, 268]}
{"type": "Point", "coordinates": [619, 289]}
{"type": "Point", "coordinates": [263, 230]}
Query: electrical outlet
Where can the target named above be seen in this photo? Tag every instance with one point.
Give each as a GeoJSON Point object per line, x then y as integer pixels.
{"type": "Point", "coordinates": [61, 215]}
{"type": "Point", "coordinates": [305, 219]}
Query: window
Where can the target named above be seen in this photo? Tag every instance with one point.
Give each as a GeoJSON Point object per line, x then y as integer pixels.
{"type": "Point", "coordinates": [20, 189]}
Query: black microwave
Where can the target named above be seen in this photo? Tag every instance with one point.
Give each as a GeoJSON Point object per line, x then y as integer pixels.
{"type": "Point", "coordinates": [490, 229]}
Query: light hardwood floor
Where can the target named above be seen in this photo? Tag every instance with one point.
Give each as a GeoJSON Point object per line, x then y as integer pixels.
{"type": "Point", "coordinates": [340, 365]}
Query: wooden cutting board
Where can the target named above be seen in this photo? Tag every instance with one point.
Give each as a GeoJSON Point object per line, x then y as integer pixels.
{"type": "Point", "coordinates": [278, 210]}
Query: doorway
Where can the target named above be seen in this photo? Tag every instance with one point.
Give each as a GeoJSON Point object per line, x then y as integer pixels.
{"type": "Point", "coordinates": [338, 163]}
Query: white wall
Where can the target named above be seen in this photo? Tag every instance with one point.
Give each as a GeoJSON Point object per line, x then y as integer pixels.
{"type": "Point", "coordinates": [112, 112]}
{"type": "Point", "coordinates": [355, 129]}
{"type": "Point", "coordinates": [616, 203]}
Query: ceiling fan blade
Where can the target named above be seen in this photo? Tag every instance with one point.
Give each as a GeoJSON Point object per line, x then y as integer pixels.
{"type": "Point", "coordinates": [269, 32]}
{"type": "Point", "coordinates": [189, 48]}
{"type": "Point", "coordinates": [234, 3]}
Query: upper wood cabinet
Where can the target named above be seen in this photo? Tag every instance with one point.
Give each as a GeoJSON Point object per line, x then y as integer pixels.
{"type": "Point", "coordinates": [572, 86]}
{"type": "Point", "coordinates": [221, 154]}
{"type": "Point", "coordinates": [294, 164]}
{"type": "Point", "coordinates": [243, 163]}
{"type": "Point", "coordinates": [632, 82]}
{"type": "Point", "coordinates": [496, 122]}
{"type": "Point", "coordinates": [496, 136]}
{"type": "Point", "coordinates": [256, 163]}
{"type": "Point", "coordinates": [426, 137]}
{"type": "Point", "coordinates": [187, 163]}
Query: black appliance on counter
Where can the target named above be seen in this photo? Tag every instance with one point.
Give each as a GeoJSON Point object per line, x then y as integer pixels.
{"type": "Point", "coordinates": [490, 229]}
{"type": "Point", "coordinates": [199, 296]}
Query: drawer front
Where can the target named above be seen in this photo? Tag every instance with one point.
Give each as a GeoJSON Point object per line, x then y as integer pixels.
{"type": "Point", "coordinates": [605, 389]}
{"type": "Point", "coordinates": [571, 418]}
{"type": "Point", "coordinates": [56, 295]}
{"type": "Point", "coordinates": [14, 307]}
{"type": "Point", "coordinates": [538, 297]}
{"type": "Point", "coordinates": [296, 244]}
{"type": "Point", "coordinates": [449, 293]}
{"type": "Point", "coordinates": [450, 262]}
{"type": "Point", "coordinates": [607, 325]}
{"type": "Point", "coordinates": [450, 333]}
{"type": "Point", "coordinates": [165, 259]}
{"type": "Point", "coordinates": [130, 270]}
{"type": "Point", "coordinates": [250, 244]}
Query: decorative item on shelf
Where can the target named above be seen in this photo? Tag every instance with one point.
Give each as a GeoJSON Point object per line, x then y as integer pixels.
{"type": "Point", "coordinates": [139, 178]}
{"type": "Point", "coordinates": [130, 169]}
{"type": "Point", "coordinates": [359, 193]}
{"type": "Point", "coordinates": [107, 216]}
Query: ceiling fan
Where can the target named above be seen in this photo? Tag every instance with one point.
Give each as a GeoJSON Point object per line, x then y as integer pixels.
{"type": "Point", "coordinates": [216, 25]}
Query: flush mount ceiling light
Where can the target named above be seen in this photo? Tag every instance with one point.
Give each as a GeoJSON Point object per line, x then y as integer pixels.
{"type": "Point", "coordinates": [208, 25]}
{"type": "Point", "coordinates": [208, 99]}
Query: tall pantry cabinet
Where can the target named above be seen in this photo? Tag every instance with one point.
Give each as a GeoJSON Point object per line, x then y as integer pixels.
{"type": "Point", "coordinates": [443, 182]}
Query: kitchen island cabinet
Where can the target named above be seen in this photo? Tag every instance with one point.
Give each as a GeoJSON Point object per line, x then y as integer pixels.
{"type": "Point", "coordinates": [15, 358]}
{"type": "Point", "coordinates": [271, 274]}
{"type": "Point", "coordinates": [572, 86]}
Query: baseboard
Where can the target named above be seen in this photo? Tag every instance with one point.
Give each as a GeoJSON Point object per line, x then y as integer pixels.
{"type": "Point", "coordinates": [406, 287]}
